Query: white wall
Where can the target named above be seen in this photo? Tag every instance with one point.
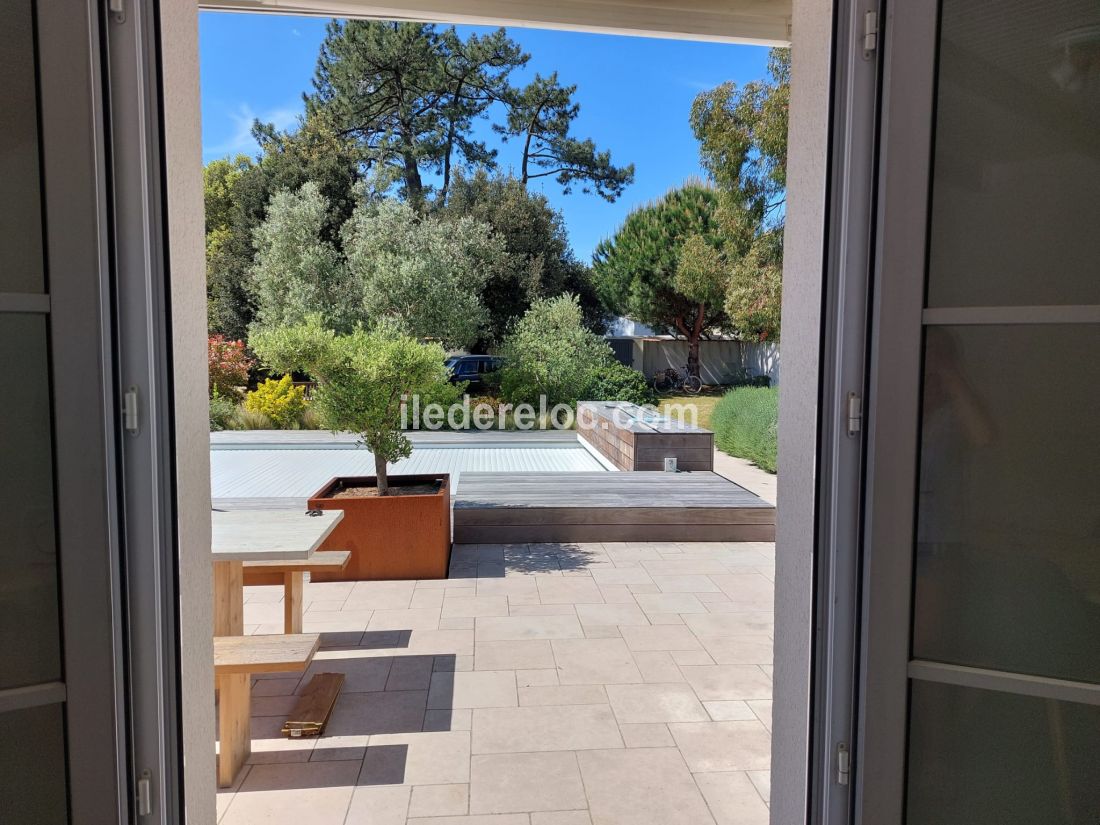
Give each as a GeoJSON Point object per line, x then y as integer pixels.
{"type": "Point", "coordinates": [186, 242]}
{"type": "Point", "coordinates": [802, 276]}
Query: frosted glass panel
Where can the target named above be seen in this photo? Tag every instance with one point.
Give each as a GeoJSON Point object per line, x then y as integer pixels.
{"type": "Point", "coordinates": [1008, 556]}
{"type": "Point", "coordinates": [29, 633]}
{"type": "Point", "coordinates": [32, 767]}
{"type": "Point", "coordinates": [980, 757]}
{"type": "Point", "coordinates": [1016, 175]}
{"type": "Point", "coordinates": [21, 265]}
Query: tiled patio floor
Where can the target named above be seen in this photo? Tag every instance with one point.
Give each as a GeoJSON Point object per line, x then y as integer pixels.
{"type": "Point", "coordinates": [551, 684]}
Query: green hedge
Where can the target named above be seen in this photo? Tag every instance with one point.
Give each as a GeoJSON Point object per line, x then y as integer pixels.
{"type": "Point", "coordinates": [745, 423]}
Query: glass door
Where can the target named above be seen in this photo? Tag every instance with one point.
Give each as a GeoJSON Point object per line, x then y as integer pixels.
{"type": "Point", "coordinates": [62, 755]}
{"type": "Point", "coordinates": [981, 683]}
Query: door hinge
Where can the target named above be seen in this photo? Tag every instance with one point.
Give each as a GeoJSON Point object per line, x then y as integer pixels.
{"type": "Point", "coordinates": [870, 34]}
{"type": "Point", "coordinates": [130, 418]}
{"type": "Point", "coordinates": [843, 763]}
{"type": "Point", "coordinates": [145, 793]}
{"type": "Point", "coordinates": [117, 8]}
{"type": "Point", "coordinates": [855, 413]}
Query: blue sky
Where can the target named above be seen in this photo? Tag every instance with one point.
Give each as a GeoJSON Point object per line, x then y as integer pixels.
{"type": "Point", "coordinates": [635, 95]}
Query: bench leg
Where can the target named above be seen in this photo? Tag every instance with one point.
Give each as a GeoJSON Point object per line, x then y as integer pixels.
{"type": "Point", "coordinates": [293, 589]}
{"type": "Point", "coordinates": [234, 725]}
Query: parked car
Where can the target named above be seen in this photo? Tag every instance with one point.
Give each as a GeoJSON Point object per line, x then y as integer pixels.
{"type": "Point", "coordinates": [477, 369]}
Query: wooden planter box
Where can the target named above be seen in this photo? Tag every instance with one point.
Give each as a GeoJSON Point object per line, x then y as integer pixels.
{"type": "Point", "coordinates": [390, 537]}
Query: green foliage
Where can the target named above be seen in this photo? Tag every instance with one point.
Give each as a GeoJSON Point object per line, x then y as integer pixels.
{"type": "Point", "coordinates": [425, 274]}
{"type": "Point", "coordinates": [549, 352]}
{"type": "Point", "coordinates": [361, 377]}
{"type": "Point", "coordinates": [222, 410]}
{"type": "Point", "coordinates": [754, 296]}
{"type": "Point", "coordinates": [638, 271]}
{"type": "Point", "coordinates": [297, 272]}
{"type": "Point", "coordinates": [618, 382]}
{"type": "Point", "coordinates": [537, 261]}
{"type": "Point", "coordinates": [279, 400]}
{"type": "Point", "coordinates": [745, 425]}
{"type": "Point", "coordinates": [541, 115]}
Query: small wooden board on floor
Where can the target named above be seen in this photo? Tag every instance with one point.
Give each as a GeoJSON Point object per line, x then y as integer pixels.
{"type": "Point", "coordinates": [314, 706]}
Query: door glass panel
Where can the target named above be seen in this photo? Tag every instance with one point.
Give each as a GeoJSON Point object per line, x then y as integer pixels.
{"type": "Point", "coordinates": [989, 758]}
{"type": "Point", "coordinates": [32, 766]}
{"type": "Point", "coordinates": [1015, 203]}
{"type": "Point", "coordinates": [29, 632]}
{"type": "Point", "coordinates": [21, 264]}
{"type": "Point", "coordinates": [1008, 520]}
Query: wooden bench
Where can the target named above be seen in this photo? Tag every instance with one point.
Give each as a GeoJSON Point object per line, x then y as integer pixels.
{"type": "Point", "coordinates": [290, 574]}
{"type": "Point", "coordinates": [236, 658]}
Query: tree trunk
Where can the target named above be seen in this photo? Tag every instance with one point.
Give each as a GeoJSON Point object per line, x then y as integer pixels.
{"type": "Point", "coordinates": [414, 186]}
{"type": "Point", "coordinates": [381, 475]}
{"type": "Point", "coordinates": [693, 341]}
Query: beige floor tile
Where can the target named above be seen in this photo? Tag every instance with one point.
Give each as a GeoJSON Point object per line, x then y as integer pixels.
{"type": "Point", "coordinates": [641, 786]}
{"type": "Point", "coordinates": [665, 618]}
{"type": "Point", "coordinates": [515, 609]}
{"type": "Point", "coordinates": [399, 711]}
{"type": "Point", "coordinates": [618, 576]}
{"type": "Point", "coordinates": [729, 711]}
{"type": "Point", "coordinates": [739, 650]}
{"type": "Point", "coordinates": [441, 642]}
{"type": "Point", "coordinates": [425, 599]}
{"type": "Point", "coordinates": [490, 819]}
{"type": "Point", "coordinates": [762, 780]}
{"type": "Point", "coordinates": [518, 628]}
{"type": "Point", "coordinates": [732, 798]}
{"type": "Point", "coordinates": [273, 705]}
{"type": "Point", "coordinates": [412, 619]}
{"type": "Point", "coordinates": [380, 595]}
{"type": "Point", "coordinates": [660, 637]}
{"type": "Point", "coordinates": [275, 687]}
{"type": "Point", "coordinates": [524, 782]}
{"type": "Point", "coordinates": [563, 695]}
{"type": "Point", "coordinates": [270, 746]}
{"type": "Point", "coordinates": [439, 800]}
{"type": "Point", "coordinates": [687, 567]}
{"type": "Point", "coordinates": [313, 792]}
{"type": "Point", "coordinates": [551, 728]}
{"type": "Point", "coordinates": [523, 587]}
{"type": "Point", "coordinates": [670, 603]}
{"type": "Point", "coordinates": [410, 673]}
{"type": "Point", "coordinates": [601, 632]}
{"type": "Point", "coordinates": [441, 758]}
{"type": "Point", "coordinates": [763, 710]}
{"type": "Point", "coordinates": [561, 818]}
{"type": "Point", "coordinates": [475, 689]}
{"type": "Point", "coordinates": [649, 735]}
{"type": "Point", "coordinates": [602, 615]}
{"type": "Point", "coordinates": [616, 594]}
{"type": "Point", "coordinates": [461, 623]}
{"type": "Point", "coordinates": [686, 584]}
{"type": "Point", "coordinates": [640, 704]}
{"type": "Point", "coordinates": [323, 606]}
{"type": "Point", "coordinates": [715, 682]}
{"type": "Point", "coordinates": [691, 657]}
{"type": "Point", "coordinates": [564, 590]}
{"type": "Point", "coordinates": [723, 746]}
{"type": "Point", "coordinates": [523, 655]}
{"type": "Point", "coordinates": [475, 606]}
{"type": "Point", "coordinates": [657, 666]}
{"type": "Point", "coordinates": [730, 624]}
{"type": "Point", "coordinates": [378, 805]}
{"type": "Point", "coordinates": [536, 678]}
{"type": "Point", "coordinates": [594, 662]}
{"type": "Point", "coordinates": [447, 719]}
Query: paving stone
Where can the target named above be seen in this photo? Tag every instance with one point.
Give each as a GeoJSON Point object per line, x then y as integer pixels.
{"type": "Point", "coordinates": [524, 782]}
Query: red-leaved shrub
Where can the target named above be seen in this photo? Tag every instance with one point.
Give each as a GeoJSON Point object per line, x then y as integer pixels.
{"type": "Point", "coordinates": [228, 365]}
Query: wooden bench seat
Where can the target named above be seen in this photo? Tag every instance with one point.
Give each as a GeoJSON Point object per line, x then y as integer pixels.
{"type": "Point", "coordinates": [235, 659]}
{"type": "Point", "coordinates": [290, 574]}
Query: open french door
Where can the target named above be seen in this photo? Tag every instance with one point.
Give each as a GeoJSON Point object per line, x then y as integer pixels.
{"type": "Point", "coordinates": [979, 689]}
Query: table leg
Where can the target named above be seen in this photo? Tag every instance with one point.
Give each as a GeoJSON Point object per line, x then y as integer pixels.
{"type": "Point", "coordinates": [293, 587]}
{"type": "Point", "coordinates": [234, 725]}
{"type": "Point", "coordinates": [228, 598]}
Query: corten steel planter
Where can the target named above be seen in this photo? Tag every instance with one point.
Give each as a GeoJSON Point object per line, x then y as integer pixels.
{"type": "Point", "coordinates": [390, 537]}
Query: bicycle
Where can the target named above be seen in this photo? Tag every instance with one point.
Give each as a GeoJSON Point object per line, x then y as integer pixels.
{"type": "Point", "coordinates": [673, 379]}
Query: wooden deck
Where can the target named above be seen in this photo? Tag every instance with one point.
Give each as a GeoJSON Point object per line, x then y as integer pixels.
{"type": "Point", "coordinates": [501, 508]}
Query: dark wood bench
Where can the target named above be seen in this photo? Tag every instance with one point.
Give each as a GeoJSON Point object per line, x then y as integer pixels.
{"type": "Point", "coordinates": [291, 575]}
{"type": "Point", "coordinates": [236, 658]}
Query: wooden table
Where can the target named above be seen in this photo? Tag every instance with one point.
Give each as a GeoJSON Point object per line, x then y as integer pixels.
{"type": "Point", "coordinates": [258, 535]}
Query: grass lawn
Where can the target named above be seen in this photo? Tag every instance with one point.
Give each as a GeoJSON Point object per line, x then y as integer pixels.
{"type": "Point", "coordinates": [704, 402]}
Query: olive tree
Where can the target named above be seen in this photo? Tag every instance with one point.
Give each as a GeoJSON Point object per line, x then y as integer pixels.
{"type": "Point", "coordinates": [362, 379]}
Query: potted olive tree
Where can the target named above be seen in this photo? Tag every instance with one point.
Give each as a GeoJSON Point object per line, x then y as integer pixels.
{"type": "Point", "coordinates": [396, 527]}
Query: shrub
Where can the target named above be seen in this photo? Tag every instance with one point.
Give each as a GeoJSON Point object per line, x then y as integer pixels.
{"type": "Point", "coordinates": [550, 352]}
{"type": "Point", "coordinates": [222, 410]}
{"type": "Point", "coordinates": [248, 420]}
{"type": "Point", "coordinates": [227, 365]}
{"type": "Point", "coordinates": [618, 382]}
{"type": "Point", "coordinates": [745, 423]}
{"type": "Point", "coordinates": [280, 401]}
